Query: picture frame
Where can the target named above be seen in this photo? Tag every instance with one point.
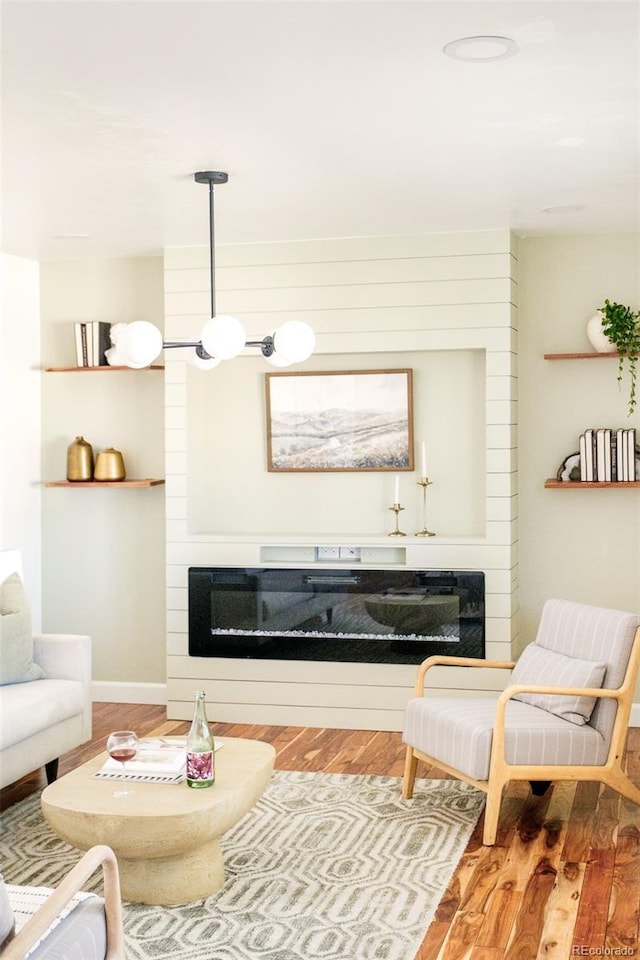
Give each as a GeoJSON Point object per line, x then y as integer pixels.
{"type": "Point", "coordinates": [339, 421]}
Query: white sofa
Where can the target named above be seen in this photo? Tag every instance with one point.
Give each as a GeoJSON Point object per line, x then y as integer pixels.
{"type": "Point", "coordinates": [42, 719]}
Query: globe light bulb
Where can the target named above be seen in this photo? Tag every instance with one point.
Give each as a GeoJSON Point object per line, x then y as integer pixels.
{"type": "Point", "coordinates": [276, 361]}
{"type": "Point", "coordinates": [294, 341]}
{"type": "Point", "coordinates": [139, 344]}
{"type": "Point", "coordinates": [273, 358]}
{"type": "Point", "coordinates": [223, 337]}
{"type": "Point", "coordinates": [200, 363]}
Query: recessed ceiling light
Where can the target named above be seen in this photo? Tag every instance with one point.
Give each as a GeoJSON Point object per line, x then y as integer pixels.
{"type": "Point", "coordinates": [567, 208]}
{"type": "Point", "coordinates": [481, 49]}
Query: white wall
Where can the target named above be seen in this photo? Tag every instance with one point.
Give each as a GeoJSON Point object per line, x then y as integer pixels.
{"type": "Point", "coordinates": [103, 550]}
{"type": "Point", "coordinates": [20, 437]}
{"type": "Point", "coordinates": [582, 545]}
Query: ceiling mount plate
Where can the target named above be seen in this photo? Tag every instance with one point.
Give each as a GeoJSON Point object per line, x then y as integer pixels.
{"type": "Point", "coordinates": [210, 176]}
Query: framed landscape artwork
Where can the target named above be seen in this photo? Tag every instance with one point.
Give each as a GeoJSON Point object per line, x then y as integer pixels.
{"type": "Point", "coordinates": [339, 420]}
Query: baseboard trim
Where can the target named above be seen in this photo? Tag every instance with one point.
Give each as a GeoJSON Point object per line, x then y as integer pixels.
{"type": "Point", "coordinates": [107, 691]}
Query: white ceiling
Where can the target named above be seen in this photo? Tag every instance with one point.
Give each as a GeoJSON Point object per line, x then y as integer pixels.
{"type": "Point", "coordinates": [331, 118]}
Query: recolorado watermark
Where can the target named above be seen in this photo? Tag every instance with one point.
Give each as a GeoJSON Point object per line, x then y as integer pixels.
{"type": "Point", "coordinates": [603, 951]}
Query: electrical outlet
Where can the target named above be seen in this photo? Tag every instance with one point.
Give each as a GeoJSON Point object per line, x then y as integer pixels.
{"type": "Point", "coordinates": [349, 553]}
{"type": "Point", "coordinates": [328, 553]}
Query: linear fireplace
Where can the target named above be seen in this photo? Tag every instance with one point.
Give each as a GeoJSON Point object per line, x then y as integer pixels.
{"type": "Point", "coordinates": [348, 615]}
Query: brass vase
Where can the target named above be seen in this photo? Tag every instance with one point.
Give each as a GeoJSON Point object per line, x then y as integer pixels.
{"type": "Point", "coordinates": [109, 466]}
{"type": "Point", "coordinates": [79, 460]}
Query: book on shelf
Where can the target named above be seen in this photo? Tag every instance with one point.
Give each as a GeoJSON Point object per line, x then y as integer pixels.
{"type": "Point", "coordinates": [80, 335]}
{"type": "Point", "coordinates": [92, 340]}
{"type": "Point", "coordinates": [603, 455]}
{"type": "Point", "coordinates": [621, 466]}
{"type": "Point", "coordinates": [607, 455]}
{"type": "Point", "coordinates": [89, 332]}
{"type": "Point", "coordinates": [101, 342]}
{"type": "Point", "coordinates": [613, 455]}
{"type": "Point", "coordinates": [582, 440]}
{"type": "Point", "coordinates": [631, 452]}
{"type": "Point", "coordinates": [589, 450]}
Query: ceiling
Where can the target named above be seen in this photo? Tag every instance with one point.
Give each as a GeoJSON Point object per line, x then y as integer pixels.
{"type": "Point", "coordinates": [332, 119]}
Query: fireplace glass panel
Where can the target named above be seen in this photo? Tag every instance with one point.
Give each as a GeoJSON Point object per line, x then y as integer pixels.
{"type": "Point", "coordinates": [354, 615]}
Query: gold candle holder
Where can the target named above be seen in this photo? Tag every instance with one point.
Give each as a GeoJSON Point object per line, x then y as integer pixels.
{"type": "Point", "coordinates": [396, 509]}
{"type": "Point", "coordinates": [424, 482]}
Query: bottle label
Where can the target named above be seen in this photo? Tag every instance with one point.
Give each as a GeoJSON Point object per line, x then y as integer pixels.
{"type": "Point", "coordinates": [200, 767]}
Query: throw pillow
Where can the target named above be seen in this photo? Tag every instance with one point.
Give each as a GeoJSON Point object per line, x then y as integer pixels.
{"type": "Point", "coordinates": [16, 639]}
{"type": "Point", "coordinates": [543, 667]}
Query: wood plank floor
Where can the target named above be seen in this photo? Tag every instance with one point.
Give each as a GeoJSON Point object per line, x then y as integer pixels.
{"type": "Point", "coordinates": [563, 879]}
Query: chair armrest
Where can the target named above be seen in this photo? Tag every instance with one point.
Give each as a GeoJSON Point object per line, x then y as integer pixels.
{"type": "Point", "coordinates": [73, 882]}
{"type": "Point", "coordinates": [440, 661]}
{"type": "Point", "coordinates": [63, 656]}
{"type": "Point", "coordinates": [511, 691]}
{"type": "Point", "coordinates": [498, 743]}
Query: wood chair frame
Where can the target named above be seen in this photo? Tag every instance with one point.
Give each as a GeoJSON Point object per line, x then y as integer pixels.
{"type": "Point", "coordinates": [501, 772]}
{"type": "Point", "coordinates": [74, 881]}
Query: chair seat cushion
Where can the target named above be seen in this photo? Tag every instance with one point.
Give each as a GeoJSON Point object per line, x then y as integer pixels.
{"type": "Point", "coordinates": [459, 732]}
{"type": "Point", "coordinates": [542, 667]}
{"type": "Point", "coordinates": [28, 708]}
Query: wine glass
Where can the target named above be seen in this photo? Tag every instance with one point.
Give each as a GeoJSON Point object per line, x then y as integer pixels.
{"type": "Point", "coordinates": [122, 746]}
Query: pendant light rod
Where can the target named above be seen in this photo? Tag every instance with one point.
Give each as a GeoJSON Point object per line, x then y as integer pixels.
{"type": "Point", "coordinates": [211, 177]}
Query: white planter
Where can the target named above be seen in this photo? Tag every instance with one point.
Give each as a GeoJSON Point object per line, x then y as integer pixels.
{"type": "Point", "coordinates": [598, 340]}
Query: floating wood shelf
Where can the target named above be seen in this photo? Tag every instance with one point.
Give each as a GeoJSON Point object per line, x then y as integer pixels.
{"type": "Point", "coordinates": [100, 369]}
{"type": "Point", "coordinates": [582, 356]}
{"type": "Point", "coordinates": [113, 484]}
{"type": "Point", "coordinates": [589, 484]}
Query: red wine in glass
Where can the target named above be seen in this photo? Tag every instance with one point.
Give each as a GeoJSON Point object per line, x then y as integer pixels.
{"type": "Point", "coordinates": [122, 746]}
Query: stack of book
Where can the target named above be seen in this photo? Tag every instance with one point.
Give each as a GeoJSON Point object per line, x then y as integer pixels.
{"type": "Point", "coordinates": [157, 761]}
{"type": "Point", "coordinates": [608, 455]}
{"type": "Point", "coordinates": [92, 342]}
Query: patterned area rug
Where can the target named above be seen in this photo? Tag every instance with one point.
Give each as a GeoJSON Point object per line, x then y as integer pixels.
{"type": "Point", "coordinates": [325, 867]}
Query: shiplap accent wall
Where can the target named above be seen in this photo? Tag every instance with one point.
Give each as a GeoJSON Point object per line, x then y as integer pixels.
{"type": "Point", "coordinates": [376, 296]}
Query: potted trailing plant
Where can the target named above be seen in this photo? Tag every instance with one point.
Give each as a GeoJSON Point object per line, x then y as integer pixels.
{"type": "Point", "coordinates": [622, 326]}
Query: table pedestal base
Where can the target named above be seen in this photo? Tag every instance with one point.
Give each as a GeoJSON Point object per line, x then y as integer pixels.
{"type": "Point", "coordinates": [173, 880]}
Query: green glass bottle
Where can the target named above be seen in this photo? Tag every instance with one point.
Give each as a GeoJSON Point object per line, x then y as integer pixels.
{"type": "Point", "coordinates": [200, 748]}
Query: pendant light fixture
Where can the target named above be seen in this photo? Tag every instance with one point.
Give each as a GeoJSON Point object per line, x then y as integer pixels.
{"type": "Point", "coordinates": [223, 337]}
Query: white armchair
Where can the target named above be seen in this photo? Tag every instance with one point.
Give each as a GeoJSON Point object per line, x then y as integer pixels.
{"type": "Point", "coordinates": [563, 716]}
{"type": "Point", "coordinates": [52, 924]}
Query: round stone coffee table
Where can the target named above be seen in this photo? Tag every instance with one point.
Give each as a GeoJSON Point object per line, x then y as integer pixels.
{"type": "Point", "coordinates": [166, 836]}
